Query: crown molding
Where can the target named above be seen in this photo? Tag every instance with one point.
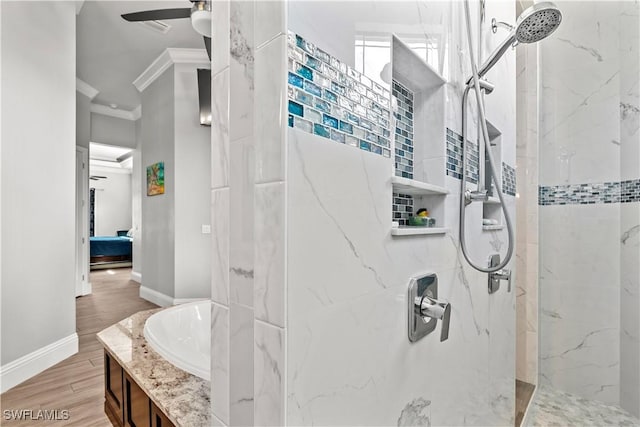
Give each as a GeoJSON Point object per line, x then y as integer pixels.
{"type": "Point", "coordinates": [86, 89]}
{"type": "Point", "coordinates": [166, 59]}
{"type": "Point", "coordinates": [116, 112]}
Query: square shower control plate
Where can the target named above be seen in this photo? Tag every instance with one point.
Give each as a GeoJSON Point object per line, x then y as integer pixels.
{"type": "Point", "coordinates": [419, 286]}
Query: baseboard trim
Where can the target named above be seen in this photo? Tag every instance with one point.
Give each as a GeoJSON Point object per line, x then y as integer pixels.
{"type": "Point", "coordinates": [155, 297]}
{"type": "Point", "coordinates": [27, 366]}
{"type": "Point", "coordinates": [86, 288]}
{"type": "Point", "coordinates": [136, 277]}
{"type": "Point", "coordinates": [163, 300]}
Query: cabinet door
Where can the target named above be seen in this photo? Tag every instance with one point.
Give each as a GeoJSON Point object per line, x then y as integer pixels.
{"type": "Point", "coordinates": [158, 419]}
{"type": "Point", "coordinates": [113, 389]}
{"type": "Point", "coordinates": [137, 408]}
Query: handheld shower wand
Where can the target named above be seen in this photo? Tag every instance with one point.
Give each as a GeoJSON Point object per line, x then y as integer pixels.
{"type": "Point", "coordinates": [533, 25]}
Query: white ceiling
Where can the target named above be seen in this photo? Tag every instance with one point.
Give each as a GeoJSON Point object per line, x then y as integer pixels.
{"type": "Point", "coordinates": [112, 52]}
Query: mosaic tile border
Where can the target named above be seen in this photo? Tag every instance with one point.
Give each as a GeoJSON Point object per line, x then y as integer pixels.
{"type": "Point", "coordinates": [403, 130]}
{"type": "Point", "coordinates": [454, 157]}
{"type": "Point", "coordinates": [508, 179]}
{"type": "Point", "coordinates": [402, 208]}
{"type": "Point", "coordinates": [332, 100]}
{"type": "Point", "coordinates": [590, 194]}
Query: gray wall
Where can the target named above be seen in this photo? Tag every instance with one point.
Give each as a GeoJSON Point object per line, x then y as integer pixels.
{"type": "Point", "coordinates": [83, 120]}
{"type": "Point", "coordinates": [172, 239]}
{"type": "Point", "coordinates": [157, 131]}
{"type": "Point", "coordinates": [113, 131]}
{"type": "Point", "coordinates": [38, 175]}
{"type": "Point", "coordinates": [193, 194]}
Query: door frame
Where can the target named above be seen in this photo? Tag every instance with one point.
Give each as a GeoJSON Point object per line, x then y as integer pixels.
{"type": "Point", "coordinates": [82, 285]}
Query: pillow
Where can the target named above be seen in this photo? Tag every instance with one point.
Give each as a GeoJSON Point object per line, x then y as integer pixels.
{"type": "Point", "coordinates": [130, 232]}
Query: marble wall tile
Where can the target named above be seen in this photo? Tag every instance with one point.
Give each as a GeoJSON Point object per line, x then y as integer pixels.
{"type": "Point", "coordinates": [241, 394]}
{"type": "Point", "coordinates": [220, 246]}
{"type": "Point", "coordinates": [220, 35]}
{"type": "Point", "coordinates": [220, 155]}
{"type": "Point", "coordinates": [270, 108]}
{"type": "Point", "coordinates": [269, 275]}
{"type": "Point", "coordinates": [579, 99]}
{"type": "Point", "coordinates": [270, 21]}
{"type": "Point", "coordinates": [579, 300]}
{"type": "Point", "coordinates": [241, 67]}
{"type": "Point", "coordinates": [241, 246]}
{"type": "Point", "coordinates": [220, 362]}
{"type": "Point", "coordinates": [269, 366]}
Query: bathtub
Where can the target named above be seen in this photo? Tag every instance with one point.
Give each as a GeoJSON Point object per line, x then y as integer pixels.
{"type": "Point", "coordinates": [182, 335]}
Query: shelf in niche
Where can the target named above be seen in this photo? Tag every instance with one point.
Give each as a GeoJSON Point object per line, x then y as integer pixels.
{"type": "Point", "coordinates": [415, 188]}
{"type": "Point", "coordinates": [418, 231]}
{"type": "Point", "coordinates": [492, 227]}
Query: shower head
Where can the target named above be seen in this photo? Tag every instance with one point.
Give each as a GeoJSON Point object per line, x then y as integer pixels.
{"type": "Point", "coordinates": [533, 25]}
{"type": "Point", "coordinates": [537, 22]}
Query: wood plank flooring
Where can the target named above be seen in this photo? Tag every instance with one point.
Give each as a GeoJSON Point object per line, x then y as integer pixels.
{"type": "Point", "coordinates": [77, 384]}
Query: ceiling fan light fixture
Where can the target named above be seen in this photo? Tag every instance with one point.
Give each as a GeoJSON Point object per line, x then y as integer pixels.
{"type": "Point", "coordinates": [201, 17]}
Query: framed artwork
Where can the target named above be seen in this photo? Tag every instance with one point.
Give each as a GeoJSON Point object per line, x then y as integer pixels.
{"type": "Point", "coordinates": [155, 179]}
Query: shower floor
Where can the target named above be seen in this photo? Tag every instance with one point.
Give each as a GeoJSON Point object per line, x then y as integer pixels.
{"type": "Point", "coordinates": [552, 407]}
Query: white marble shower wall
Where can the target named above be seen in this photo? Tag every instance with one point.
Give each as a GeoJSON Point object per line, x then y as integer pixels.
{"type": "Point", "coordinates": [310, 287]}
{"type": "Point", "coordinates": [589, 214]}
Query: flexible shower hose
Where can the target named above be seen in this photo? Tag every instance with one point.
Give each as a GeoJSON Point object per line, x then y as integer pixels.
{"type": "Point", "coordinates": [485, 135]}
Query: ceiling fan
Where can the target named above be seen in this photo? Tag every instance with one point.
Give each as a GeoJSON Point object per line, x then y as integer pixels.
{"type": "Point", "coordinates": [200, 14]}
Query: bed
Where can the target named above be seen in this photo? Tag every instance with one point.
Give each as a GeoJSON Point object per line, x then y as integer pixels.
{"type": "Point", "coordinates": [109, 249]}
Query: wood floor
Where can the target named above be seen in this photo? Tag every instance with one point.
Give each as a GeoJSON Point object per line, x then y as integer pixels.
{"type": "Point", "coordinates": [524, 391]}
{"type": "Point", "coordinates": [77, 384]}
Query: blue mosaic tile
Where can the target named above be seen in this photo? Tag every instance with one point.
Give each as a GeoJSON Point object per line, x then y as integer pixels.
{"type": "Point", "coordinates": [304, 71]}
{"type": "Point", "coordinates": [312, 88]}
{"type": "Point", "coordinates": [296, 80]}
{"type": "Point", "coordinates": [318, 129]}
{"type": "Point", "coordinates": [295, 108]}
{"type": "Point", "coordinates": [403, 138]}
{"type": "Point", "coordinates": [337, 136]}
{"type": "Point", "coordinates": [305, 125]}
{"type": "Point", "coordinates": [336, 101]}
{"type": "Point", "coordinates": [314, 63]}
{"type": "Point", "coordinates": [303, 97]}
{"type": "Point", "coordinates": [508, 179]}
{"type": "Point", "coordinates": [330, 96]}
{"type": "Point", "coordinates": [588, 194]}
{"type": "Point", "coordinates": [402, 208]}
{"type": "Point", "coordinates": [454, 148]}
{"type": "Point", "coordinates": [330, 121]}
{"type": "Point", "coordinates": [346, 127]}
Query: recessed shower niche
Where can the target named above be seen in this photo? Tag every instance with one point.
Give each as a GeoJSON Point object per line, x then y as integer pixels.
{"type": "Point", "coordinates": [419, 153]}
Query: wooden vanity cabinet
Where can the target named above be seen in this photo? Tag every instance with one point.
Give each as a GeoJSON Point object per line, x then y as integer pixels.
{"type": "Point", "coordinates": [126, 404]}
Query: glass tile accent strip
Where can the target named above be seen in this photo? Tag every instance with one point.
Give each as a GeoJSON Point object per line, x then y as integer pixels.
{"type": "Point", "coordinates": [508, 179]}
{"type": "Point", "coordinates": [590, 194]}
{"type": "Point", "coordinates": [403, 130]}
{"type": "Point", "coordinates": [332, 100]}
{"type": "Point", "coordinates": [454, 157]}
{"type": "Point", "coordinates": [402, 208]}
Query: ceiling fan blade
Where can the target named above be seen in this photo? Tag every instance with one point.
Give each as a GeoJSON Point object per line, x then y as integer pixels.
{"type": "Point", "coordinates": [207, 45]}
{"type": "Point", "coordinates": [157, 15]}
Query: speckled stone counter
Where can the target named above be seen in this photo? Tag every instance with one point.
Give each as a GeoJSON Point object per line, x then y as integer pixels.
{"type": "Point", "coordinates": [184, 398]}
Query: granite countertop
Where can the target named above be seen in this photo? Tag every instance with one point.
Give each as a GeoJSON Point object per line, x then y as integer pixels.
{"type": "Point", "coordinates": [184, 398]}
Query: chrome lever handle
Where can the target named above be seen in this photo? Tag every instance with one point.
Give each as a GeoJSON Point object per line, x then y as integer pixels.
{"type": "Point", "coordinates": [430, 307]}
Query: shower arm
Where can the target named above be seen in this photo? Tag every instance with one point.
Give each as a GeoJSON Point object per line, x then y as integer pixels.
{"type": "Point", "coordinates": [495, 56]}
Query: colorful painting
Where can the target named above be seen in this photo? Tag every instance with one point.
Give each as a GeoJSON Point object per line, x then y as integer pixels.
{"type": "Point", "coordinates": [155, 179]}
